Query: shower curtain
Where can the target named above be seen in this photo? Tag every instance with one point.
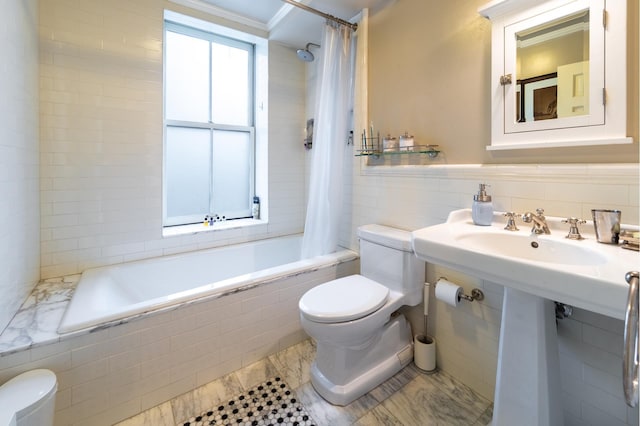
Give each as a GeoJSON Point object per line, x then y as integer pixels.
{"type": "Point", "coordinates": [333, 119]}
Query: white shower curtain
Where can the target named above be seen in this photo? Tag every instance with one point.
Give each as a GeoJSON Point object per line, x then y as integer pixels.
{"type": "Point", "coordinates": [333, 116]}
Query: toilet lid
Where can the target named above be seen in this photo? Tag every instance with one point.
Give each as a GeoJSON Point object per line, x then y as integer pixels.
{"type": "Point", "coordinates": [344, 299]}
{"type": "Point", "coordinates": [27, 390]}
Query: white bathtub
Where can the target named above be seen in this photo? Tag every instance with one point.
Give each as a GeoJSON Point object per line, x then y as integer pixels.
{"type": "Point", "coordinates": [116, 292]}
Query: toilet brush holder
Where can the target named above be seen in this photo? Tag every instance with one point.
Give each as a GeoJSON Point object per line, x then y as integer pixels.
{"type": "Point", "coordinates": [424, 353]}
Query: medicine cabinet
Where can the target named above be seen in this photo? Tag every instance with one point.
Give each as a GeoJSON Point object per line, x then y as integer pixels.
{"type": "Point", "coordinates": [558, 73]}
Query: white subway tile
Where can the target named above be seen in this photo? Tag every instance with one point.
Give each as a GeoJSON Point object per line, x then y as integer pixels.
{"type": "Point", "coordinates": [601, 339]}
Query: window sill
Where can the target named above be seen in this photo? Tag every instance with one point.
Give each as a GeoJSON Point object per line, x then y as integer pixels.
{"type": "Point", "coordinates": [172, 231]}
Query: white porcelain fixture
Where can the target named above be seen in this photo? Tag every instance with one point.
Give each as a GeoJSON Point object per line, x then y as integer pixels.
{"type": "Point", "coordinates": [116, 292]}
{"type": "Point", "coordinates": [361, 339]}
{"type": "Point", "coordinates": [535, 271]}
{"type": "Point", "coordinates": [28, 399]}
{"type": "Point", "coordinates": [581, 273]}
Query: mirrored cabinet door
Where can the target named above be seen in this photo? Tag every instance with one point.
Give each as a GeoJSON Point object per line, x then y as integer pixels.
{"type": "Point", "coordinates": [558, 73]}
{"type": "Point", "coordinates": [557, 78]}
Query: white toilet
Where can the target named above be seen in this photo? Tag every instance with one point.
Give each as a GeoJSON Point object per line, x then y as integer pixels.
{"type": "Point", "coordinates": [361, 339]}
{"type": "Point", "coordinates": [28, 399]}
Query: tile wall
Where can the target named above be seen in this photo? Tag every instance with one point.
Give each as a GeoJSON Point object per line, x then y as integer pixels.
{"type": "Point", "coordinates": [111, 374]}
{"type": "Point", "coordinates": [101, 137]}
{"type": "Point", "coordinates": [410, 197]}
{"type": "Point", "coordinates": [19, 158]}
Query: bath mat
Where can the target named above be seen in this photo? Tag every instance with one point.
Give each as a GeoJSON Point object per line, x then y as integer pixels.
{"type": "Point", "coordinates": [270, 403]}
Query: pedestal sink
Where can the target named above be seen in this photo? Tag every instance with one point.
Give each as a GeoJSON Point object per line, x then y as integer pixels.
{"type": "Point", "coordinates": [535, 270]}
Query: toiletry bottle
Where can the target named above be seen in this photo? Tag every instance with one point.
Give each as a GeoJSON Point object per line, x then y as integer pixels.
{"type": "Point", "coordinates": [255, 208]}
{"type": "Point", "coordinates": [482, 208]}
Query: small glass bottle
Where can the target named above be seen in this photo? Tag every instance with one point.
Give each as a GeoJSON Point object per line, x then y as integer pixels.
{"type": "Point", "coordinates": [482, 208]}
{"type": "Point", "coordinates": [255, 208]}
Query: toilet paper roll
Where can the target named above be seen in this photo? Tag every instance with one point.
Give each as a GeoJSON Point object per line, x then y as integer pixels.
{"type": "Point", "coordinates": [448, 292]}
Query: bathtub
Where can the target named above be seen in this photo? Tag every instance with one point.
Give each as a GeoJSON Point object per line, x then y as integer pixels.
{"type": "Point", "coordinates": [114, 293]}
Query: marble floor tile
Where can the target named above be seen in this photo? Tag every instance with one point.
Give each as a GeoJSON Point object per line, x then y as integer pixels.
{"type": "Point", "coordinates": [161, 415]}
{"type": "Point", "coordinates": [256, 373]}
{"type": "Point", "coordinates": [485, 418]}
{"type": "Point", "coordinates": [325, 413]}
{"type": "Point", "coordinates": [408, 398]}
{"type": "Point", "coordinates": [377, 417]}
{"type": "Point", "coordinates": [459, 391]}
{"type": "Point", "coordinates": [398, 381]}
{"type": "Point", "coordinates": [294, 363]}
{"type": "Point", "coordinates": [205, 397]}
{"type": "Point", "coordinates": [422, 402]}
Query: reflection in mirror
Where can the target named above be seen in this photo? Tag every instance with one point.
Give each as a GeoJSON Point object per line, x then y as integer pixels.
{"type": "Point", "coordinates": [552, 69]}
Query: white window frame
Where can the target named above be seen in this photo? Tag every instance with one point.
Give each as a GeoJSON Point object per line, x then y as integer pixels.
{"type": "Point", "coordinates": [258, 115]}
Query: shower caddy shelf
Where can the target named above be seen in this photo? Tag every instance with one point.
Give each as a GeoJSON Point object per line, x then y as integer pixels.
{"type": "Point", "coordinates": [371, 147]}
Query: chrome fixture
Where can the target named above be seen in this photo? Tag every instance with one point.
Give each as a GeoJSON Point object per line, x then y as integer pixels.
{"type": "Point", "coordinates": [563, 311]}
{"type": "Point", "coordinates": [511, 221]}
{"type": "Point", "coordinates": [305, 54]}
{"type": "Point", "coordinates": [324, 15]}
{"type": "Point", "coordinates": [630, 355]}
{"type": "Point", "coordinates": [574, 232]}
{"type": "Point", "coordinates": [539, 221]}
{"type": "Point", "coordinates": [476, 294]}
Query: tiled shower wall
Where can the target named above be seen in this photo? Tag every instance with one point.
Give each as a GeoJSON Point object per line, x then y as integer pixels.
{"type": "Point", "coordinates": [19, 158]}
{"type": "Point", "coordinates": [413, 196]}
{"type": "Point", "coordinates": [101, 137]}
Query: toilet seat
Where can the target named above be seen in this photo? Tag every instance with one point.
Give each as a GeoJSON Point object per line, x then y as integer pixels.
{"type": "Point", "coordinates": [344, 299]}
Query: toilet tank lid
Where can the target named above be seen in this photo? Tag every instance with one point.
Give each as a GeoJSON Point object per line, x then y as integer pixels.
{"type": "Point", "coordinates": [26, 390]}
{"type": "Point", "coordinates": [386, 236]}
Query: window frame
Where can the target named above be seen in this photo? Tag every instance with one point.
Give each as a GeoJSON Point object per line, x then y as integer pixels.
{"type": "Point", "coordinates": [212, 37]}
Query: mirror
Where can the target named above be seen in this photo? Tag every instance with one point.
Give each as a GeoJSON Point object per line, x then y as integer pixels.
{"type": "Point", "coordinates": [548, 63]}
{"type": "Point", "coordinates": [552, 69]}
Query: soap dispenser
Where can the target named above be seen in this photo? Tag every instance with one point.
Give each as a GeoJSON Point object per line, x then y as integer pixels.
{"type": "Point", "coordinates": [482, 208]}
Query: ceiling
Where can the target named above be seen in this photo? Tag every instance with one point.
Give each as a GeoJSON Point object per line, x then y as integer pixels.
{"type": "Point", "coordinates": [285, 23]}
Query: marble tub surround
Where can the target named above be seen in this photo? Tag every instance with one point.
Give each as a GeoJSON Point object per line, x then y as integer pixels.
{"type": "Point", "coordinates": [114, 371]}
{"type": "Point", "coordinates": [408, 398]}
{"type": "Point", "coordinates": [36, 322]}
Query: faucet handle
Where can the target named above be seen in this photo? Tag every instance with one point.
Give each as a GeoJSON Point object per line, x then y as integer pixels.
{"type": "Point", "coordinates": [540, 211]}
{"type": "Point", "coordinates": [511, 221]}
{"type": "Point", "coordinates": [574, 232]}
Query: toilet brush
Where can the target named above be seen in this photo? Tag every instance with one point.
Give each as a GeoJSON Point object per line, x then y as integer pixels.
{"type": "Point", "coordinates": [425, 346]}
{"type": "Point", "coordinates": [426, 306]}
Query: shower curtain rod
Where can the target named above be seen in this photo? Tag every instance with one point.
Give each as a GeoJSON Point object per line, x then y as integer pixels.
{"type": "Point", "coordinates": [324, 15]}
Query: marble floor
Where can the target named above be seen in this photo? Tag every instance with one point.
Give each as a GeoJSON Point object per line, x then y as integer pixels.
{"type": "Point", "coordinates": [408, 398]}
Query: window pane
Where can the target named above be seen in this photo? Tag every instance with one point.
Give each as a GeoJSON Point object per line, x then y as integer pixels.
{"type": "Point", "coordinates": [187, 171]}
{"type": "Point", "coordinates": [232, 164]}
{"type": "Point", "coordinates": [187, 78]}
{"type": "Point", "coordinates": [230, 88]}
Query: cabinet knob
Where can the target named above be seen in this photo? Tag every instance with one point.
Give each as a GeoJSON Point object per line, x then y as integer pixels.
{"type": "Point", "coordinates": [505, 79]}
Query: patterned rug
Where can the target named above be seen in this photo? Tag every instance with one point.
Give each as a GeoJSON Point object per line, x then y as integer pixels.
{"type": "Point", "coordinates": [271, 403]}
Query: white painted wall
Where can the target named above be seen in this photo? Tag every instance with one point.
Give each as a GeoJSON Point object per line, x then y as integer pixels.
{"type": "Point", "coordinates": [19, 158]}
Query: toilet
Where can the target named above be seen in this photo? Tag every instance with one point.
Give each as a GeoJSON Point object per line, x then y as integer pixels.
{"type": "Point", "coordinates": [28, 399]}
{"type": "Point", "coordinates": [360, 337]}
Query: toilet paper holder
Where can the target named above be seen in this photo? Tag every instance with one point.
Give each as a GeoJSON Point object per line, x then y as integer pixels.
{"type": "Point", "coordinates": [476, 293]}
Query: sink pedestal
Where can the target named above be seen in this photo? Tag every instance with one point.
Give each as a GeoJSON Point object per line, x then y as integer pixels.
{"type": "Point", "coordinates": [528, 378]}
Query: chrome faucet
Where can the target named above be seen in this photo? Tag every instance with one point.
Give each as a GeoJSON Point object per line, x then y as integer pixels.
{"type": "Point", "coordinates": [539, 221]}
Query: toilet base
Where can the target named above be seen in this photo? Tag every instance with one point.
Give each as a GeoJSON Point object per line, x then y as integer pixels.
{"type": "Point", "coordinates": [341, 375]}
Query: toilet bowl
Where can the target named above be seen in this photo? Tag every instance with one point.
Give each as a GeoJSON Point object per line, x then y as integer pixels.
{"type": "Point", "coordinates": [28, 399]}
{"type": "Point", "coordinates": [360, 337]}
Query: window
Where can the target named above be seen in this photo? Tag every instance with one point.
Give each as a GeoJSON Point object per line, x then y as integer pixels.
{"type": "Point", "coordinates": [209, 125]}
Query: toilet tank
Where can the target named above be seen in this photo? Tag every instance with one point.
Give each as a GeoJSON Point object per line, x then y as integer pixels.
{"type": "Point", "coordinates": [386, 256]}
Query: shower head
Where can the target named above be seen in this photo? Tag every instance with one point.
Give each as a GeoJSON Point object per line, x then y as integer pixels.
{"type": "Point", "coordinates": [305, 54]}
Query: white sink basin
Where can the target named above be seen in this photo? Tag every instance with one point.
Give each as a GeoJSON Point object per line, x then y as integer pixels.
{"type": "Point", "coordinates": [584, 273]}
{"type": "Point", "coordinates": [531, 248]}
